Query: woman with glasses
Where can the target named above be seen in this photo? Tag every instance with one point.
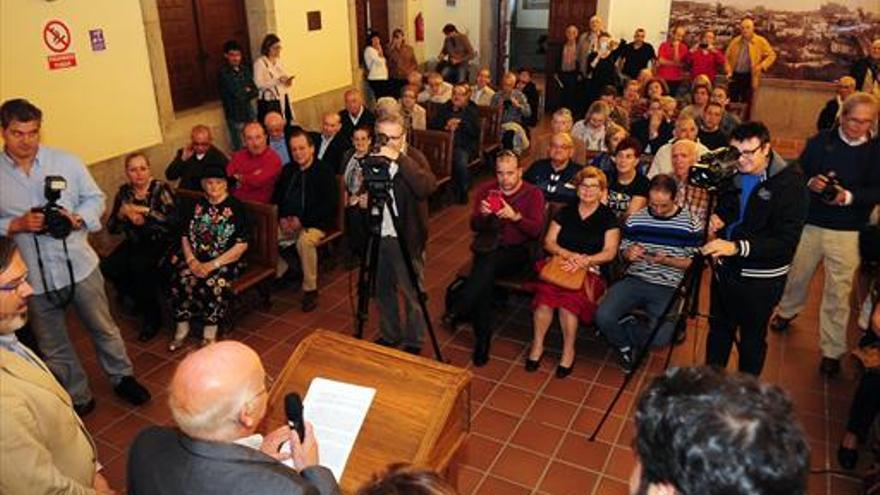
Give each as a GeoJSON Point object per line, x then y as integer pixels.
{"type": "Point", "coordinates": [414, 115]}
{"type": "Point", "coordinates": [585, 236]}
{"type": "Point", "coordinates": [355, 195]}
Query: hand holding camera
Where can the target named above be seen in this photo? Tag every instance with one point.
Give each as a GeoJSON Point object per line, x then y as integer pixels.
{"type": "Point", "coordinates": [828, 187]}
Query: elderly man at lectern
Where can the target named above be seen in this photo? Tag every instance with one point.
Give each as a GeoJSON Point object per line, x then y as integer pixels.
{"type": "Point", "coordinates": [218, 396]}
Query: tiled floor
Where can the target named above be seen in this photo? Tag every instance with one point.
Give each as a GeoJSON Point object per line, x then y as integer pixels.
{"type": "Point", "coordinates": [529, 431]}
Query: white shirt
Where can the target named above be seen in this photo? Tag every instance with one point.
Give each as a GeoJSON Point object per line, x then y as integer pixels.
{"type": "Point", "coordinates": [662, 163]}
{"type": "Point", "coordinates": [593, 139]}
{"type": "Point", "coordinates": [377, 68]}
{"type": "Point", "coordinates": [482, 96]}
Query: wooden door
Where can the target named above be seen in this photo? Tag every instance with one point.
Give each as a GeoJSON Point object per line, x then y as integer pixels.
{"type": "Point", "coordinates": [193, 34]}
{"type": "Point", "coordinates": [377, 20]}
{"type": "Point", "coordinates": [562, 14]}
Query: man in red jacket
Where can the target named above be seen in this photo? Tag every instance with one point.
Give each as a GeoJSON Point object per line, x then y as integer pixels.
{"type": "Point", "coordinates": [255, 168]}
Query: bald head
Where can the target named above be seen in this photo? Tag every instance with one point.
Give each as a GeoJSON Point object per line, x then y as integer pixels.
{"type": "Point", "coordinates": [331, 123]}
{"type": "Point", "coordinates": [274, 123]}
{"type": "Point", "coordinates": [213, 392]}
{"type": "Point", "coordinates": [684, 156]}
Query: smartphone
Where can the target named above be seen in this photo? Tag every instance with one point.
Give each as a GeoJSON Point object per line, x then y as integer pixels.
{"type": "Point", "coordinates": [495, 200]}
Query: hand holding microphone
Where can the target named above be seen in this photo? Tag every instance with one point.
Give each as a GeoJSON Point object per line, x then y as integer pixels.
{"type": "Point", "coordinates": [303, 446]}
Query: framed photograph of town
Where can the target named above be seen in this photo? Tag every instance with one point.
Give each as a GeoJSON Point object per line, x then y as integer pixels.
{"type": "Point", "coordinates": [814, 39]}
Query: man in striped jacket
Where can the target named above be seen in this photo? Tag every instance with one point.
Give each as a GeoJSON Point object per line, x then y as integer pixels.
{"type": "Point", "coordinates": [658, 242]}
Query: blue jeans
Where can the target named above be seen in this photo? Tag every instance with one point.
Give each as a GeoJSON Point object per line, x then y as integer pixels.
{"type": "Point", "coordinates": [235, 130]}
{"type": "Point", "coordinates": [623, 297]}
{"type": "Point", "coordinates": [460, 175]}
{"type": "Point", "coordinates": [93, 310]}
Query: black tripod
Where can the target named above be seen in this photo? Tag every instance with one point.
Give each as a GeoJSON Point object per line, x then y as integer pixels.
{"type": "Point", "coordinates": [687, 296]}
{"type": "Point", "coordinates": [379, 199]}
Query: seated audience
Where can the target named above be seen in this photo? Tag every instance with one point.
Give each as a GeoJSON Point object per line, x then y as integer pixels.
{"type": "Point", "coordinates": [561, 121]}
{"type": "Point", "coordinates": [188, 161]}
{"type": "Point", "coordinates": [709, 432]}
{"type": "Point", "coordinates": [414, 115]}
{"type": "Point", "coordinates": [591, 130]}
{"type": "Point", "coordinates": [461, 117]}
{"type": "Point", "coordinates": [700, 95]}
{"type": "Point", "coordinates": [237, 91]}
{"type": "Point", "coordinates": [670, 107]}
{"type": "Point", "coordinates": [604, 161]}
{"type": "Point", "coordinates": [354, 114]}
{"type": "Point", "coordinates": [524, 83]}
{"type": "Point", "coordinates": [436, 91]}
{"type": "Point", "coordinates": [658, 243]}
{"type": "Point", "coordinates": [214, 238]}
{"type": "Point", "coordinates": [584, 236]}
{"type": "Point", "coordinates": [355, 195]}
{"type": "Point", "coordinates": [830, 114]}
{"type": "Point", "coordinates": [405, 479]}
{"type": "Point", "coordinates": [729, 121]}
{"type": "Point", "coordinates": [511, 102]}
{"type": "Point", "coordinates": [654, 89]}
{"type": "Point", "coordinates": [416, 80]}
{"type": "Point", "coordinates": [693, 198]}
{"type": "Point", "coordinates": [455, 55]}
{"type": "Point", "coordinates": [145, 213]}
{"type": "Point", "coordinates": [685, 128]}
{"type": "Point", "coordinates": [554, 175]}
{"type": "Point", "coordinates": [385, 106]}
{"type": "Point", "coordinates": [627, 188]}
{"type": "Point", "coordinates": [254, 168]}
{"type": "Point", "coordinates": [710, 134]}
{"type": "Point", "coordinates": [618, 113]}
{"type": "Point", "coordinates": [218, 398]}
{"type": "Point", "coordinates": [44, 448]}
{"type": "Point", "coordinates": [482, 92]}
{"type": "Point", "coordinates": [330, 143]}
{"type": "Point", "coordinates": [654, 130]}
{"type": "Point", "coordinates": [277, 132]}
{"type": "Point", "coordinates": [705, 59]}
{"type": "Point", "coordinates": [507, 219]}
{"type": "Point", "coordinates": [307, 199]}
{"type": "Point", "coordinates": [631, 102]}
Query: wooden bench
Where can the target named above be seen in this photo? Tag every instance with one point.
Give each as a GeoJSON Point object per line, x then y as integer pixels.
{"type": "Point", "coordinates": [490, 121]}
{"type": "Point", "coordinates": [335, 233]}
{"type": "Point", "coordinates": [437, 148]}
{"type": "Point", "coordinates": [261, 254]}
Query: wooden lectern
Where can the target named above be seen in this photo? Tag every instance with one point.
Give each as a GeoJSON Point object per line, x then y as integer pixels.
{"type": "Point", "coordinates": [420, 413]}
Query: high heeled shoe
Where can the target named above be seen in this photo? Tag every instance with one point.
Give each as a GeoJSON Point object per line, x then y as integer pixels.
{"type": "Point", "coordinates": [564, 371]}
{"type": "Point", "coordinates": [532, 365]}
{"type": "Point", "coordinates": [847, 458]}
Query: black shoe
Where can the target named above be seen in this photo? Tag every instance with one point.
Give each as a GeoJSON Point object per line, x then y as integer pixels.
{"type": "Point", "coordinates": [309, 301]}
{"type": "Point", "coordinates": [780, 324]}
{"type": "Point", "coordinates": [449, 320]}
{"type": "Point", "coordinates": [82, 410]}
{"type": "Point", "coordinates": [829, 367]}
{"type": "Point", "coordinates": [847, 458]}
{"type": "Point", "coordinates": [415, 350]}
{"type": "Point", "coordinates": [385, 343]}
{"type": "Point", "coordinates": [624, 359]}
{"type": "Point", "coordinates": [131, 391]}
{"type": "Point", "coordinates": [148, 332]}
{"type": "Point", "coordinates": [480, 357]}
{"type": "Point", "coordinates": [563, 371]}
{"type": "Point", "coordinates": [532, 365]}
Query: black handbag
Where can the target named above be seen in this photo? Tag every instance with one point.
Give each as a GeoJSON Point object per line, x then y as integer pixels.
{"type": "Point", "coordinates": [869, 243]}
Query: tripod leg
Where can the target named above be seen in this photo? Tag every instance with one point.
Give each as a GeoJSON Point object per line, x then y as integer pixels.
{"type": "Point", "coordinates": [366, 282]}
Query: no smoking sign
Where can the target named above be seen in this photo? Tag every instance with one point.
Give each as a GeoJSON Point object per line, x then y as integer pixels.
{"type": "Point", "coordinates": [56, 37]}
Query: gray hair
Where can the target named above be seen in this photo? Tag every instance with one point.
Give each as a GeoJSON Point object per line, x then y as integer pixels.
{"type": "Point", "coordinates": [215, 421]}
{"type": "Point", "coordinates": [856, 99]}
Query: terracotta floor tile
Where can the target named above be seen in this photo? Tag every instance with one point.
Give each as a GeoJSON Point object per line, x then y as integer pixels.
{"type": "Point", "coordinates": [495, 486]}
{"type": "Point", "coordinates": [552, 412]}
{"type": "Point", "coordinates": [508, 399]}
{"type": "Point", "coordinates": [608, 486]}
{"type": "Point", "coordinates": [479, 452]}
{"type": "Point", "coordinates": [564, 479]}
{"type": "Point", "coordinates": [587, 420]}
{"type": "Point", "coordinates": [570, 390]}
{"type": "Point", "coordinates": [537, 437]}
{"type": "Point", "coordinates": [519, 377]}
{"type": "Point", "coordinates": [123, 432]}
{"type": "Point", "coordinates": [578, 450]}
{"type": "Point", "coordinates": [467, 480]}
{"type": "Point", "coordinates": [106, 413]}
{"type": "Point", "coordinates": [519, 465]}
{"type": "Point", "coordinates": [495, 424]}
{"type": "Point", "coordinates": [621, 463]}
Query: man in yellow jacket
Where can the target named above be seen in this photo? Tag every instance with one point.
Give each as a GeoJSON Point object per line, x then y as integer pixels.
{"type": "Point", "coordinates": [748, 56]}
{"type": "Point", "coordinates": [44, 447]}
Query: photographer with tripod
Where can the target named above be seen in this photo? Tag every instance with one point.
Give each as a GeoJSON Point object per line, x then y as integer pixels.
{"type": "Point", "coordinates": [760, 214]}
{"type": "Point", "coordinates": [51, 235]}
{"type": "Point", "coordinates": [407, 181]}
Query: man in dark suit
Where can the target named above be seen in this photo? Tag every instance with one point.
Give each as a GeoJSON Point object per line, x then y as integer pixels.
{"type": "Point", "coordinates": [354, 114]}
{"type": "Point", "coordinates": [461, 117]}
{"type": "Point", "coordinates": [218, 397]}
{"type": "Point", "coordinates": [189, 160]}
{"type": "Point", "coordinates": [330, 143]}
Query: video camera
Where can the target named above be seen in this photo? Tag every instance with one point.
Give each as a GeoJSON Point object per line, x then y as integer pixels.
{"type": "Point", "coordinates": [375, 168]}
{"type": "Point", "coordinates": [55, 223]}
{"type": "Point", "coordinates": [714, 169]}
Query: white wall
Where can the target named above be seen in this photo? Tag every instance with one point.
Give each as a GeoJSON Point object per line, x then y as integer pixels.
{"type": "Point", "coordinates": [532, 18]}
{"type": "Point", "coordinates": [623, 17]}
{"type": "Point", "coordinates": [465, 15]}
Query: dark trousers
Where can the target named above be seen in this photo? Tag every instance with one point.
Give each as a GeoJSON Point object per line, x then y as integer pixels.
{"type": "Point", "coordinates": [391, 276]}
{"type": "Point", "coordinates": [743, 304]}
{"type": "Point", "coordinates": [133, 270]}
{"type": "Point", "coordinates": [865, 405]}
{"type": "Point", "coordinates": [476, 295]}
{"type": "Point", "coordinates": [461, 177]}
{"type": "Point", "coordinates": [381, 87]}
{"type": "Point", "coordinates": [356, 229]}
{"type": "Point", "coordinates": [569, 92]}
{"type": "Point", "coordinates": [740, 88]}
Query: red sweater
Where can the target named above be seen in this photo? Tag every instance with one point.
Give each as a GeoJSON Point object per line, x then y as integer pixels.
{"type": "Point", "coordinates": [705, 62]}
{"type": "Point", "coordinates": [528, 201]}
{"type": "Point", "coordinates": [258, 174]}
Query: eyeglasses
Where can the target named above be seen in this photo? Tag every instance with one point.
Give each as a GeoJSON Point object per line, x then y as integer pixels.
{"type": "Point", "coordinates": [751, 152]}
{"type": "Point", "coordinates": [589, 187]}
{"type": "Point", "coordinates": [268, 381]}
{"type": "Point", "coordinates": [860, 121]}
{"type": "Point", "coordinates": [15, 285]}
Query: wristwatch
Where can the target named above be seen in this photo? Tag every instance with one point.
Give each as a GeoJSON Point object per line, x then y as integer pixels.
{"type": "Point", "coordinates": [216, 265]}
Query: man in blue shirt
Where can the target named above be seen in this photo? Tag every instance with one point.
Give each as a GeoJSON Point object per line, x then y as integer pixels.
{"type": "Point", "coordinates": [61, 272]}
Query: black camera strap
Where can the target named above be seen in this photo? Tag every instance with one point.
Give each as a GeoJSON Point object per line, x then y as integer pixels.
{"type": "Point", "coordinates": [56, 299]}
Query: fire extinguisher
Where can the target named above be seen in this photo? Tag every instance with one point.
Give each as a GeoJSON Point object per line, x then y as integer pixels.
{"type": "Point", "coordinates": [420, 27]}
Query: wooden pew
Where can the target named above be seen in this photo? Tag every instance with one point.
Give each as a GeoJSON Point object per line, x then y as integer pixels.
{"type": "Point", "coordinates": [437, 147]}
{"type": "Point", "coordinates": [491, 122]}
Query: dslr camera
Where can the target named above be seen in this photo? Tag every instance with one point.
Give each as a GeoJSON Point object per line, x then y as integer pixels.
{"type": "Point", "coordinates": [55, 223]}
{"type": "Point", "coordinates": [832, 183]}
{"type": "Point", "coordinates": [714, 169]}
{"type": "Point", "coordinates": [375, 168]}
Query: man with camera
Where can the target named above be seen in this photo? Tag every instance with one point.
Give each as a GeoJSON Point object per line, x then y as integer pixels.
{"type": "Point", "coordinates": [411, 183]}
{"type": "Point", "coordinates": [844, 180]}
{"type": "Point", "coordinates": [63, 268]}
{"type": "Point", "coordinates": [758, 221]}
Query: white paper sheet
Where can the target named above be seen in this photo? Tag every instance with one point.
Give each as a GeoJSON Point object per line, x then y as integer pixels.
{"type": "Point", "coordinates": [336, 411]}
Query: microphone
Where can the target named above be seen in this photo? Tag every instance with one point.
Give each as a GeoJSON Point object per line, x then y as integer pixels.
{"type": "Point", "coordinates": [293, 407]}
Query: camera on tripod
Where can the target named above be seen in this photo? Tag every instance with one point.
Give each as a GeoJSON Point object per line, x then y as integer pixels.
{"type": "Point", "coordinates": [713, 169]}
{"type": "Point", "coordinates": [55, 223]}
{"type": "Point", "coordinates": [375, 168]}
